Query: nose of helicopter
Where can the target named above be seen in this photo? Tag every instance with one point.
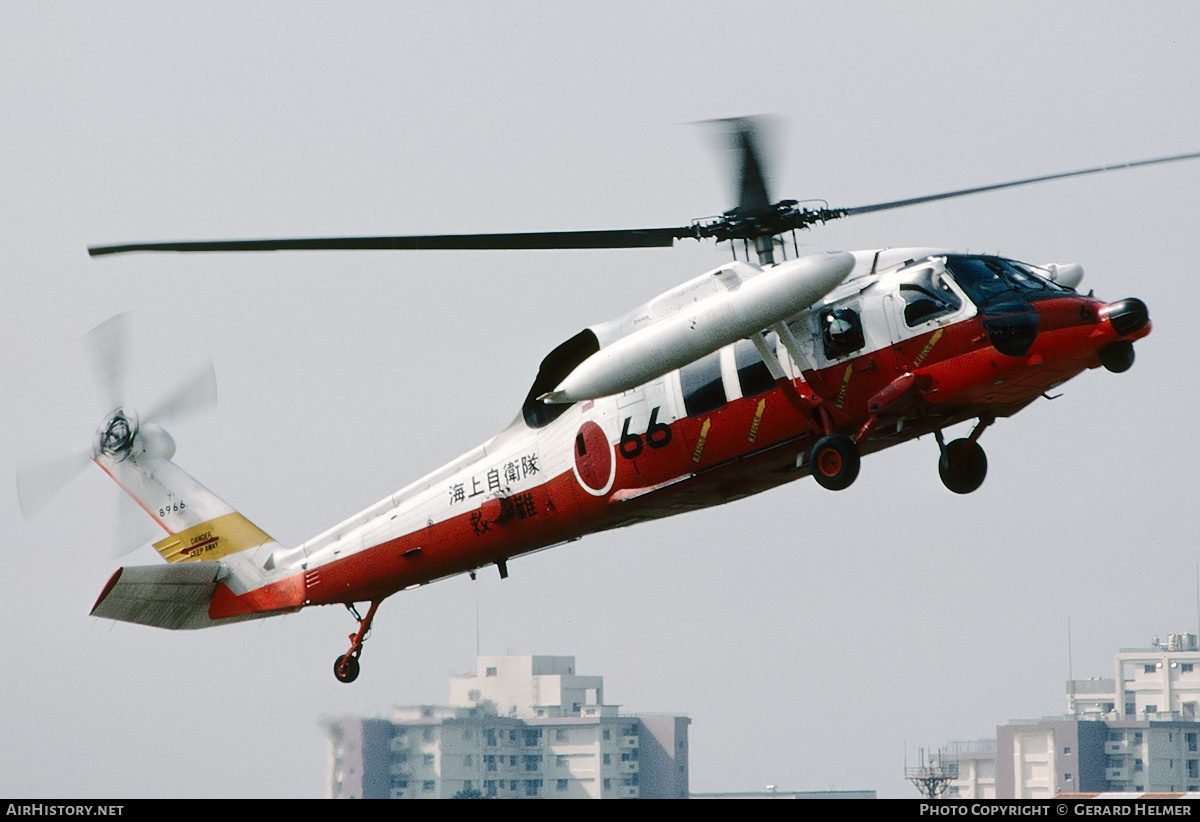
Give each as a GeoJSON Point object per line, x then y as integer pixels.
{"type": "Point", "coordinates": [1128, 316]}
{"type": "Point", "coordinates": [1130, 320]}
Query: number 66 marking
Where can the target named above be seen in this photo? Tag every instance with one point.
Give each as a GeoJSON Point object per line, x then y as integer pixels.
{"type": "Point", "coordinates": [658, 435]}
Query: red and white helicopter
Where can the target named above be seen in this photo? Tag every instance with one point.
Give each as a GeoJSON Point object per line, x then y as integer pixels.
{"type": "Point", "coordinates": [742, 379]}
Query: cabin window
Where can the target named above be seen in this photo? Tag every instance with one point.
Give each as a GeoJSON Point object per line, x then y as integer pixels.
{"type": "Point", "coordinates": [753, 375]}
{"type": "Point", "coordinates": [841, 332]}
{"type": "Point", "coordinates": [703, 390]}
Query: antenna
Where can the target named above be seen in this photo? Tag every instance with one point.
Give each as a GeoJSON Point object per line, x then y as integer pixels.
{"type": "Point", "coordinates": [1070, 664]}
{"type": "Point", "coordinates": [933, 779]}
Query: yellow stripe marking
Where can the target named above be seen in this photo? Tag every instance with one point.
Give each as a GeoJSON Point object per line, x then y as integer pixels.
{"type": "Point", "coordinates": [214, 539]}
{"type": "Point", "coordinates": [700, 442]}
{"type": "Point", "coordinates": [841, 399]}
{"type": "Point", "coordinates": [937, 335]}
{"type": "Point", "coordinates": [762, 404]}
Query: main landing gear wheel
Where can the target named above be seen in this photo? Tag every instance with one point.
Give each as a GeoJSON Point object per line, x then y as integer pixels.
{"type": "Point", "coordinates": [346, 668]}
{"type": "Point", "coordinates": [835, 462]}
{"type": "Point", "coordinates": [963, 466]}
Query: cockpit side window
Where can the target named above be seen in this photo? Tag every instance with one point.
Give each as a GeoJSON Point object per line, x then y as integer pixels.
{"type": "Point", "coordinates": [922, 305]}
{"type": "Point", "coordinates": [927, 296]}
{"type": "Point", "coordinates": [841, 332]}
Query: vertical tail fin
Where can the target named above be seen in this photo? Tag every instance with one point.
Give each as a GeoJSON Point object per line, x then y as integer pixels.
{"type": "Point", "coordinates": [200, 525]}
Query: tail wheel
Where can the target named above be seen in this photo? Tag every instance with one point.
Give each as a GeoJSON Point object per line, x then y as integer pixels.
{"type": "Point", "coordinates": [963, 466]}
{"type": "Point", "coordinates": [835, 462]}
{"type": "Point", "coordinates": [346, 668]}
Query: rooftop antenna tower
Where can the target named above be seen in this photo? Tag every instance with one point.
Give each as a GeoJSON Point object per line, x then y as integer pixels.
{"type": "Point", "coordinates": [931, 779]}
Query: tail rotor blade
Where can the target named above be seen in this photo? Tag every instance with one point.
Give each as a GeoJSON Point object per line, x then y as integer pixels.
{"type": "Point", "coordinates": [108, 347]}
{"type": "Point", "coordinates": [39, 483]}
{"type": "Point", "coordinates": [197, 393]}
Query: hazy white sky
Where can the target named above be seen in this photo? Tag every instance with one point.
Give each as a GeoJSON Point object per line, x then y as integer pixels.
{"type": "Point", "coordinates": [812, 637]}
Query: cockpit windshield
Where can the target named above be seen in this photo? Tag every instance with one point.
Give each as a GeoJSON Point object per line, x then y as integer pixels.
{"type": "Point", "coordinates": [985, 279]}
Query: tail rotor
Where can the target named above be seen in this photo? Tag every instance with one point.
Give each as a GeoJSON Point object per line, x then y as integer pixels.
{"type": "Point", "coordinates": [120, 432]}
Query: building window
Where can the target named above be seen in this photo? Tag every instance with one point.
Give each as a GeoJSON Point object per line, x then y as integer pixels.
{"type": "Point", "coordinates": [560, 735]}
{"type": "Point", "coordinates": [562, 784]}
{"type": "Point", "coordinates": [428, 785]}
{"type": "Point", "coordinates": [1185, 667]}
{"type": "Point", "coordinates": [490, 672]}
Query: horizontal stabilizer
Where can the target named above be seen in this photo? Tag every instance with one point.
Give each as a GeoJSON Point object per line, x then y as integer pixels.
{"type": "Point", "coordinates": [164, 596]}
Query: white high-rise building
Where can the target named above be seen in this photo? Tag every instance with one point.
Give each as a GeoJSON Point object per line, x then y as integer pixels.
{"type": "Point", "coordinates": [1159, 682]}
{"type": "Point", "coordinates": [520, 726]}
{"type": "Point", "coordinates": [1136, 732]}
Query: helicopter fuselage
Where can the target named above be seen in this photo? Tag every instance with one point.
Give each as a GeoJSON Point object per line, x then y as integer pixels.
{"type": "Point", "coordinates": [912, 342]}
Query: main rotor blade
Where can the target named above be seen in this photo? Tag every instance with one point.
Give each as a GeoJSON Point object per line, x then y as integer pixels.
{"type": "Point", "coordinates": [867, 209]}
{"type": "Point", "coordinates": [753, 198]}
{"type": "Point", "coordinates": [614, 238]}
